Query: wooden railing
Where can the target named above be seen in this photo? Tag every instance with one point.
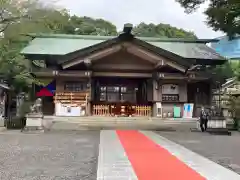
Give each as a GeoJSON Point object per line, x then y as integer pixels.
{"type": "Point", "coordinates": [121, 110]}
{"type": "Point", "coordinates": [143, 111]}
{"type": "Point", "coordinates": [71, 97]}
{"type": "Point", "coordinates": [101, 110]}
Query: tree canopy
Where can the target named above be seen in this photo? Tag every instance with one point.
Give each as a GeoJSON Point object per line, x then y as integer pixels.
{"type": "Point", "coordinates": [161, 30]}
{"type": "Point", "coordinates": [12, 11]}
{"type": "Point", "coordinates": [223, 72]}
{"type": "Point", "coordinates": [223, 15]}
{"type": "Point", "coordinates": [89, 26]}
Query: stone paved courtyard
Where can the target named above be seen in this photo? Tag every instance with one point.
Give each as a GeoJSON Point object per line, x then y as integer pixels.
{"type": "Point", "coordinates": [50, 156]}
{"type": "Point", "coordinates": [223, 150]}
{"type": "Point", "coordinates": [73, 155]}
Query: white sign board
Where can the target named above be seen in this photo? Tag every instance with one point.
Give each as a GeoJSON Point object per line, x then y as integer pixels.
{"type": "Point", "coordinates": [67, 110]}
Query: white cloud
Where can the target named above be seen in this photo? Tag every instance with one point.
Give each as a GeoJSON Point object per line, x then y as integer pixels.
{"type": "Point", "coordinates": [120, 12]}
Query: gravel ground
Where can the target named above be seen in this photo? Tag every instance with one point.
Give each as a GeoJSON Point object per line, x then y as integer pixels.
{"type": "Point", "coordinates": [49, 156]}
{"type": "Point", "coordinates": [224, 150]}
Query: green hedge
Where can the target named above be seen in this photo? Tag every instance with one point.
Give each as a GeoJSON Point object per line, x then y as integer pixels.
{"type": "Point", "coordinates": [15, 123]}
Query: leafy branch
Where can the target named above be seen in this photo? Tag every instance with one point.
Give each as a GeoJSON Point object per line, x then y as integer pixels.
{"type": "Point", "coordinates": [223, 15]}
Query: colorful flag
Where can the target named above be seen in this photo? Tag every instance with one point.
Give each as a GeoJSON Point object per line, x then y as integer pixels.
{"type": "Point", "coordinates": [48, 90]}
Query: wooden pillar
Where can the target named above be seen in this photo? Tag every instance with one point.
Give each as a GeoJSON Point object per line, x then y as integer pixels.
{"type": "Point", "coordinates": [89, 98]}
{"type": "Point", "coordinates": [210, 92]}
{"type": "Point", "coordinates": [155, 88]}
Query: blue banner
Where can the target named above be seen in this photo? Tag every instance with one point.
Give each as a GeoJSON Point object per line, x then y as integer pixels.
{"type": "Point", "coordinates": [228, 48]}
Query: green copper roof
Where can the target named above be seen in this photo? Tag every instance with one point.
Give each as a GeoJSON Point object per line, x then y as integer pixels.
{"type": "Point", "coordinates": [92, 37]}
{"type": "Point", "coordinates": [69, 36]}
{"type": "Point", "coordinates": [56, 46]}
{"type": "Point", "coordinates": [60, 44]}
{"type": "Point", "coordinates": [188, 50]}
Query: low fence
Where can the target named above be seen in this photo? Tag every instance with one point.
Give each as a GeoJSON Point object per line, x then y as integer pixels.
{"type": "Point", "coordinates": [143, 111]}
{"type": "Point", "coordinates": [101, 110]}
{"type": "Point", "coordinates": [121, 110]}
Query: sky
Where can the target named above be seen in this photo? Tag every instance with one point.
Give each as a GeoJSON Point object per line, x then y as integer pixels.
{"type": "Point", "coordinates": [120, 12]}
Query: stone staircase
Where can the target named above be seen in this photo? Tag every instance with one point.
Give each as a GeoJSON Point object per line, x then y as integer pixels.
{"type": "Point", "coordinates": [100, 122]}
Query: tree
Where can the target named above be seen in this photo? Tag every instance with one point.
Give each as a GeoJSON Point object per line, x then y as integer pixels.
{"type": "Point", "coordinates": [223, 72]}
{"type": "Point", "coordinates": [234, 108]}
{"type": "Point", "coordinates": [42, 21]}
{"type": "Point", "coordinates": [9, 13]}
{"type": "Point", "coordinates": [89, 26]}
{"type": "Point", "coordinates": [162, 31]}
{"type": "Point", "coordinates": [12, 11]}
{"type": "Point", "coordinates": [223, 15]}
{"type": "Point", "coordinates": [14, 20]}
{"type": "Point", "coordinates": [33, 17]}
{"type": "Point", "coordinates": [236, 69]}
{"type": "Point", "coordinates": [13, 67]}
{"type": "Point", "coordinates": [59, 21]}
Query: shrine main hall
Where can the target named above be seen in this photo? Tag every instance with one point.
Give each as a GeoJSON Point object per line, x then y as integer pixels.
{"type": "Point", "coordinates": [123, 75]}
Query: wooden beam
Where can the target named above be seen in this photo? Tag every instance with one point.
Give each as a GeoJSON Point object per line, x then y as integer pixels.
{"type": "Point", "coordinates": [88, 74]}
{"type": "Point", "coordinates": [93, 56]}
{"type": "Point", "coordinates": [158, 60]}
{"type": "Point", "coordinates": [140, 53]}
{"type": "Point", "coordinates": [74, 62]}
{"type": "Point", "coordinates": [63, 73]}
{"type": "Point", "coordinates": [178, 76]}
{"type": "Point", "coordinates": [75, 73]}
{"type": "Point", "coordinates": [130, 67]}
{"type": "Point", "coordinates": [114, 74]}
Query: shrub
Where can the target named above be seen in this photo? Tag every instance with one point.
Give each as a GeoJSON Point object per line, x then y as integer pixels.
{"type": "Point", "coordinates": [234, 108]}
{"type": "Point", "coordinates": [19, 122]}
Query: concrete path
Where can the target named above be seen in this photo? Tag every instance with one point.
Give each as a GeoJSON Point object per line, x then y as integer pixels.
{"type": "Point", "coordinates": [113, 163]}
{"type": "Point", "coordinates": [223, 150]}
{"type": "Point", "coordinates": [144, 155]}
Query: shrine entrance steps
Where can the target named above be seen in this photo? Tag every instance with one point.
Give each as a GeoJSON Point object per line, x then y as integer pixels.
{"type": "Point", "coordinates": [100, 123]}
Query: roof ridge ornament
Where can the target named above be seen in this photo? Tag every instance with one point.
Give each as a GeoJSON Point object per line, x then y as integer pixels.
{"type": "Point", "coordinates": [127, 28]}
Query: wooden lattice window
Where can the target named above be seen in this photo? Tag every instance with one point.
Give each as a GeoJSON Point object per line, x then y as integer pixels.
{"type": "Point", "coordinates": [117, 94]}
{"type": "Point", "coordinates": [128, 94]}
{"type": "Point", "coordinates": [113, 93]}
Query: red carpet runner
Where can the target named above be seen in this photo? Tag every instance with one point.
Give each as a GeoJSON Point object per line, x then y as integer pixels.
{"type": "Point", "coordinates": [152, 162]}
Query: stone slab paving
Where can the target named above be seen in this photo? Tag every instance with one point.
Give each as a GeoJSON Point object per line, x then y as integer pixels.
{"type": "Point", "coordinates": [113, 163]}
{"type": "Point", "coordinates": [204, 166]}
{"type": "Point", "coordinates": [223, 150]}
{"type": "Point", "coordinates": [49, 156]}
